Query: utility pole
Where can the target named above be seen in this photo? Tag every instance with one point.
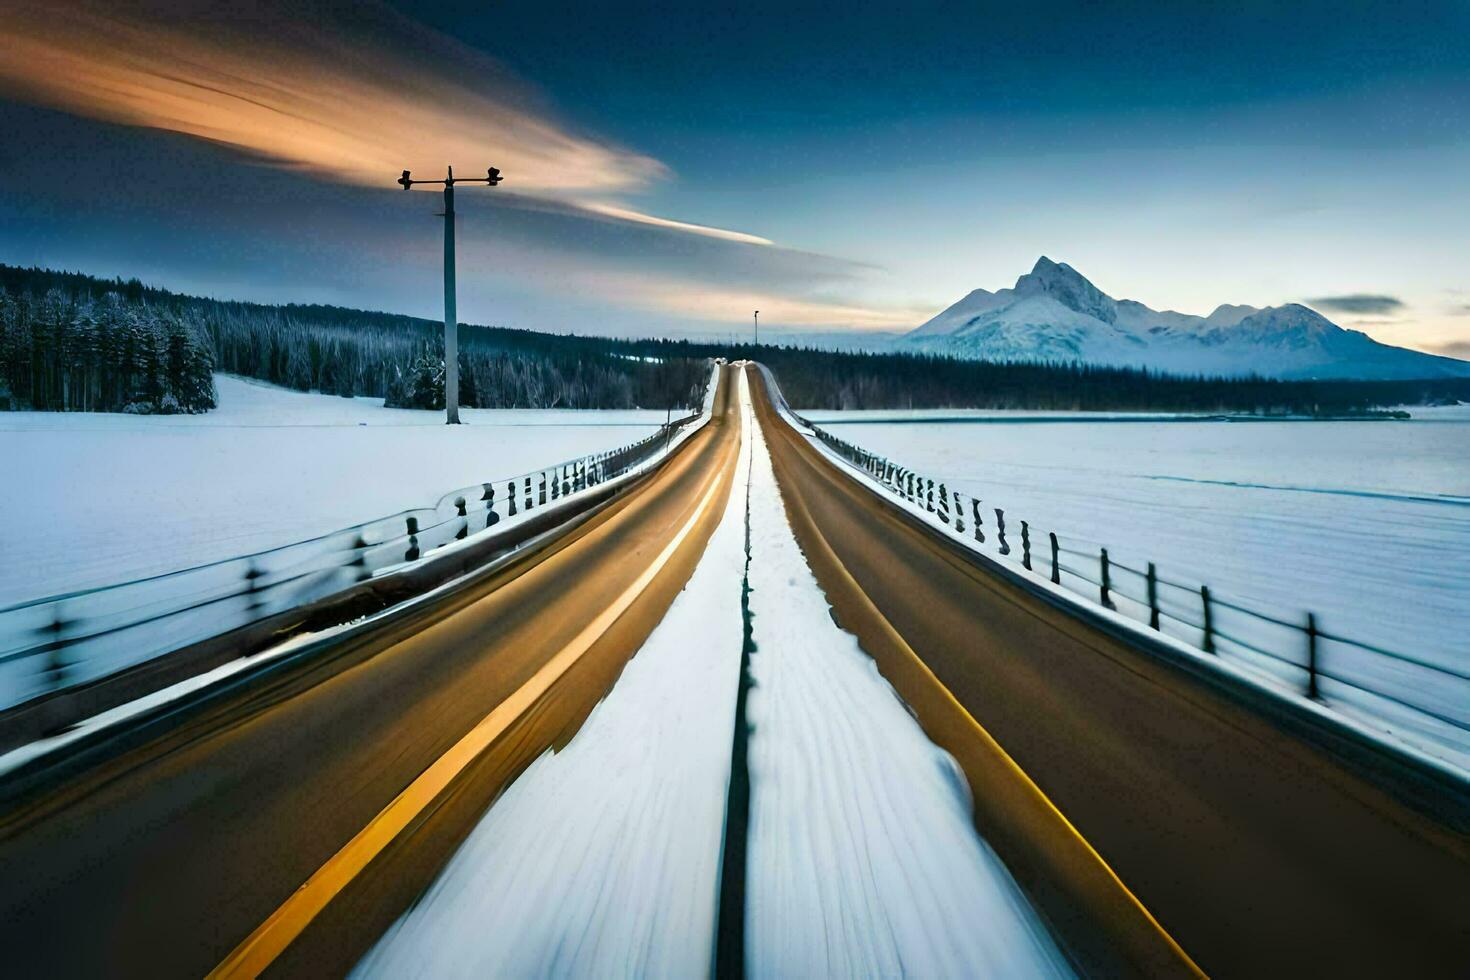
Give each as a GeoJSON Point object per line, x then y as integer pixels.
{"type": "Point", "coordinates": [757, 328]}
{"type": "Point", "coordinates": [451, 315]}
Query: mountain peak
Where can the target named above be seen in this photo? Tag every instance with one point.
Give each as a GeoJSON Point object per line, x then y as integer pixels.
{"type": "Point", "coordinates": [1053, 313]}
{"type": "Point", "coordinates": [1069, 287]}
{"type": "Point", "coordinates": [1229, 314]}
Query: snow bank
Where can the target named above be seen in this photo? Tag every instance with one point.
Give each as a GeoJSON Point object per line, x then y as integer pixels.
{"type": "Point", "coordinates": [604, 859]}
{"type": "Point", "coordinates": [94, 499]}
{"type": "Point", "coordinates": [1366, 524]}
{"type": "Point", "coordinates": [863, 857]}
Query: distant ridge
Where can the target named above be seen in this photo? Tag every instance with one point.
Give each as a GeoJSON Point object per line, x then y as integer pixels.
{"type": "Point", "coordinates": [1054, 313]}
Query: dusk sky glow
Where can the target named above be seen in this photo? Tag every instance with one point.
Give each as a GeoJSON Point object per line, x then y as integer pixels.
{"type": "Point", "coordinates": [670, 168]}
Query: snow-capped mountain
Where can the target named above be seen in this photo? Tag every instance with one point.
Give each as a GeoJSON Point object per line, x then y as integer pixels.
{"type": "Point", "coordinates": [1054, 313]}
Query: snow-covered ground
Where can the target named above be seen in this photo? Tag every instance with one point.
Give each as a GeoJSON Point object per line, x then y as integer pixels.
{"type": "Point", "coordinates": [604, 859]}
{"type": "Point", "coordinates": [1366, 524]}
{"type": "Point", "coordinates": [863, 857]}
{"type": "Point", "coordinates": [94, 499]}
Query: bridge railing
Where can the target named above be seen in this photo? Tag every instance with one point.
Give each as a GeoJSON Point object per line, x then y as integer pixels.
{"type": "Point", "coordinates": [1297, 653]}
{"type": "Point", "coordinates": [62, 640]}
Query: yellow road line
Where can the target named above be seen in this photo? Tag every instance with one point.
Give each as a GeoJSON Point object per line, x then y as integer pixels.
{"type": "Point", "coordinates": [270, 939]}
{"type": "Point", "coordinates": [980, 735]}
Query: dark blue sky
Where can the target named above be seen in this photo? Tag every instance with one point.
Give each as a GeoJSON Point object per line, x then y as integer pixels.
{"type": "Point", "coordinates": [897, 156]}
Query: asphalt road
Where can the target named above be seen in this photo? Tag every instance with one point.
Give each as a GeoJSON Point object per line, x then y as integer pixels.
{"type": "Point", "coordinates": [159, 862]}
{"type": "Point", "coordinates": [1260, 855]}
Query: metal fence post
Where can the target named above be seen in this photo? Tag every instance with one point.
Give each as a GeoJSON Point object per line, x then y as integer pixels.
{"type": "Point", "coordinates": [412, 554]}
{"type": "Point", "coordinates": [56, 664]}
{"type": "Point", "coordinates": [488, 499]}
{"type": "Point", "coordinates": [359, 562]}
{"type": "Point", "coordinates": [1153, 597]}
{"type": "Point", "coordinates": [541, 496]}
{"type": "Point", "coordinates": [529, 498]}
{"type": "Point", "coordinates": [464, 525]}
{"type": "Point", "coordinates": [930, 497]}
{"type": "Point", "coordinates": [1000, 531]}
{"type": "Point", "coordinates": [1208, 643]}
{"type": "Point", "coordinates": [1107, 582]}
{"type": "Point", "coordinates": [959, 514]}
{"type": "Point", "coordinates": [1311, 656]}
{"type": "Point", "coordinates": [975, 512]}
{"type": "Point", "coordinates": [944, 503]}
{"type": "Point", "coordinates": [1025, 546]}
{"type": "Point", "coordinates": [1056, 568]}
{"type": "Point", "coordinates": [252, 575]}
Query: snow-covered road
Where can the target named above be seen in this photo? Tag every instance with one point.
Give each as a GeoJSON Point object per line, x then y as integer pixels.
{"type": "Point", "coordinates": [864, 860]}
{"type": "Point", "coordinates": [605, 858]}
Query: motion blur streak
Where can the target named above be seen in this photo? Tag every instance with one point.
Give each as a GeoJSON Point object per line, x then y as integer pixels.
{"type": "Point", "coordinates": [349, 98]}
{"type": "Point", "coordinates": [733, 303]}
{"type": "Point", "coordinates": [613, 211]}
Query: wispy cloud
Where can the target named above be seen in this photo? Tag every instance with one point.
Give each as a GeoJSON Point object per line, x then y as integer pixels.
{"type": "Point", "coordinates": [726, 304]}
{"type": "Point", "coordinates": [352, 98]}
{"type": "Point", "coordinates": [624, 214]}
{"type": "Point", "coordinates": [348, 98]}
{"type": "Point", "coordinates": [1369, 303]}
{"type": "Point", "coordinates": [203, 222]}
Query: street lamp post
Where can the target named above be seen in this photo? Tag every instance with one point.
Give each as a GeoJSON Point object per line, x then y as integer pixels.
{"type": "Point", "coordinates": [757, 328]}
{"type": "Point", "coordinates": [451, 317]}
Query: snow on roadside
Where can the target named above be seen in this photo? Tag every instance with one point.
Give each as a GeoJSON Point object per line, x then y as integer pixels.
{"type": "Point", "coordinates": [863, 858]}
{"type": "Point", "coordinates": [95, 499]}
{"type": "Point", "coordinates": [1366, 524]}
{"type": "Point", "coordinates": [604, 858]}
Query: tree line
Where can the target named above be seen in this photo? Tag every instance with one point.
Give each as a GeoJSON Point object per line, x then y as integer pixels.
{"type": "Point", "coordinates": [76, 342]}
{"type": "Point", "coordinates": [818, 379]}
{"type": "Point", "coordinates": [65, 352]}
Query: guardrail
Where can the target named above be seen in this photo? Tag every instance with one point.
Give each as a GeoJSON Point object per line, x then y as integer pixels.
{"type": "Point", "coordinates": [1400, 689]}
{"type": "Point", "coordinates": [57, 642]}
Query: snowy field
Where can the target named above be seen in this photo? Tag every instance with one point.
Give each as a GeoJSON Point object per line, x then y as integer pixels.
{"type": "Point", "coordinates": [604, 859]}
{"type": "Point", "coordinates": [1366, 524]}
{"type": "Point", "coordinates": [95, 499]}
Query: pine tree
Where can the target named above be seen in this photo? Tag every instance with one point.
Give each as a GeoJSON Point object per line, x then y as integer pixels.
{"type": "Point", "coordinates": [9, 349]}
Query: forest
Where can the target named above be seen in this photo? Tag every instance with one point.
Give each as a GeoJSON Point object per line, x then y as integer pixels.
{"type": "Point", "coordinates": [832, 380]}
{"type": "Point", "coordinates": [71, 342]}
{"type": "Point", "coordinates": [71, 352]}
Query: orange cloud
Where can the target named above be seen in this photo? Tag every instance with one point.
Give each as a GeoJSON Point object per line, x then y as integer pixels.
{"type": "Point", "coordinates": [350, 100]}
{"type": "Point", "coordinates": [708, 302]}
{"type": "Point", "coordinates": [356, 99]}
